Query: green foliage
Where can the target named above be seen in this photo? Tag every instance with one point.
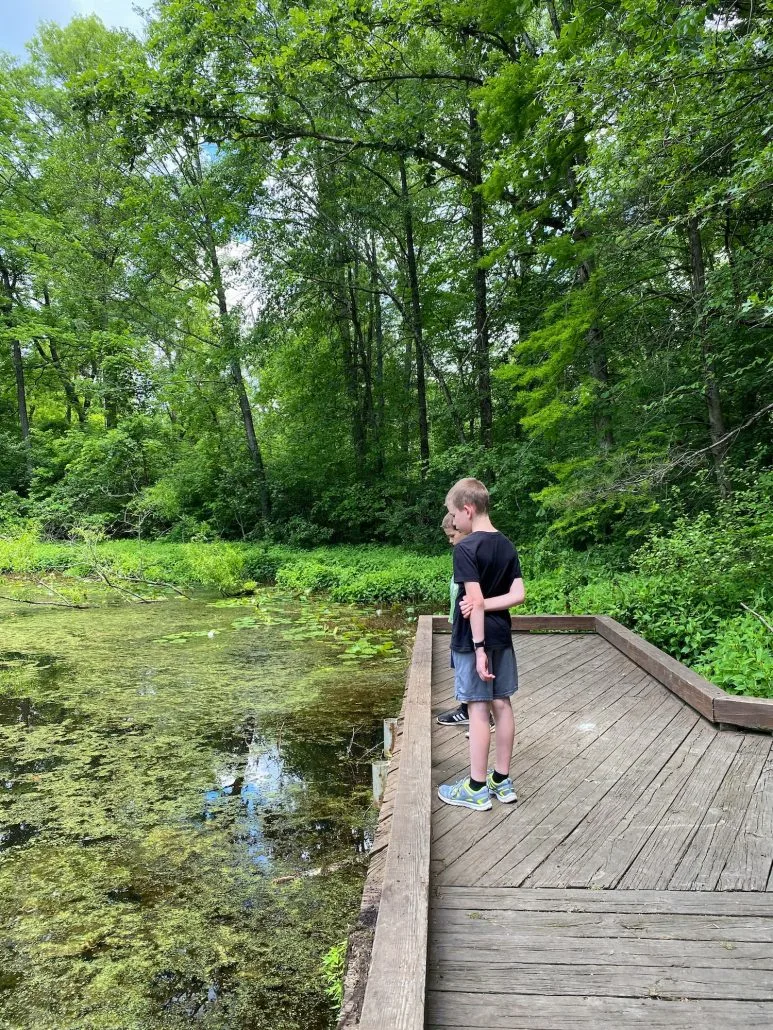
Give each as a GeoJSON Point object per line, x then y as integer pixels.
{"type": "Point", "coordinates": [741, 660]}
{"type": "Point", "coordinates": [333, 968]}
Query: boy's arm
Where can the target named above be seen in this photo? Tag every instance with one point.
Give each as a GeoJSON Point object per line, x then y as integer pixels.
{"type": "Point", "coordinates": [473, 592]}
{"type": "Point", "coordinates": [515, 596]}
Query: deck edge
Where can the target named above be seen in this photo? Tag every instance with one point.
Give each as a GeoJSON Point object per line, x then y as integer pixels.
{"type": "Point", "coordinates": [394, 994]}
{"type": "Point", "coordinates": [712, 702]}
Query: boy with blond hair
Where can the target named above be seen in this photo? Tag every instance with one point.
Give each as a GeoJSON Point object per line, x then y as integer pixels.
{"type": "Point", "coordinates": [486, 566]}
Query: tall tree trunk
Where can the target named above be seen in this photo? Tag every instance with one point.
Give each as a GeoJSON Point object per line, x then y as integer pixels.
{"type": "Point", "coordinates": [21, 392]}
{"type": "Point", "coordinates": [6, 308]}
{"type": "Point", "coordinates": [717, 428]}
{"type": "Point", "coordinates": [341, 300]}
{"type": "Point", "coordinates": [378, 332]}
{"type": "Point", "coordinates": [482, 346]}
{"type": "Point", "coordinates": [416, 321]}
{"type": "Point", "coordinates": [360, 361]}
{"type": "Point", "coordinates": [405, 443]}
{"type": "Point", "coordinates": [54, 358]}
{"type": "Point", "coordinates": [232, 352]}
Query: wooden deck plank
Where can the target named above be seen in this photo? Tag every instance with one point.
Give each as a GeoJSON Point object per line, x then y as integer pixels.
{"type": "Point", "coordinates": [654, 865]}
{"type": "Point", "coordinates": [526, 948]}
{"type": "Point", "coordinates": [705, 858]}
{"type": "Point", "coordinates": [511, 924]}
{"type": "Point", "coordinates": [601, 848]}
{"type": "Point", "coordinates": [639, 756]}
{"type": "Point", "coordinates": [500, 970]}
{"type": "Point", "coordinates": [451, 1010]}
{"type": "Point", "coordinates": [754, 905]}
{"type": "Point", "coordinates": [750, 862]}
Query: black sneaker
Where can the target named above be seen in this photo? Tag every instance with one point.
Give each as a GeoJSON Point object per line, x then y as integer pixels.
{"type": "Point", "coordinates": [458, 717]}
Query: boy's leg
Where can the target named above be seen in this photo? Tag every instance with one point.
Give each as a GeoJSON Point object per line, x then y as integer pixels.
{"type": "Point", "coordinates": [480, 739]}
{"type": "Point", "coordinates": [505, 734]}
{"type": "Point", "coordinates": [468, 685]}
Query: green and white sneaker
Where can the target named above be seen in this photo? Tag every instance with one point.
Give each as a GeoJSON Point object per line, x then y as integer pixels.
{"type": "Point", "coordinates": [504, 791]}
{"type": "Point", "coordinates": [464, 796]}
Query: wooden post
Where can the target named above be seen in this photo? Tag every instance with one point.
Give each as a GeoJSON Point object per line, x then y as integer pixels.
{"type": "Point", "coordinates": [379, 770]}
{"type": "Point", "coordinates": [390, 736]}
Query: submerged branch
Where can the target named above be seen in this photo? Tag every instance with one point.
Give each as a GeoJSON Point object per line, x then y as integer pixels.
{"type": "Point", "coordinates": [47, 604]}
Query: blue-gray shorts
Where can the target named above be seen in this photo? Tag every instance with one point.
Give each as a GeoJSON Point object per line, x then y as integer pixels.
{"type": "Point", "coordinates": [470, 687]}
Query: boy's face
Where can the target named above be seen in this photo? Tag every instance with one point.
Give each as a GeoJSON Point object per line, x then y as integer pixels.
{"type": "Point", "coordinates": [454, 536]}
{"type": "Point", "coordinates": [462, 518]}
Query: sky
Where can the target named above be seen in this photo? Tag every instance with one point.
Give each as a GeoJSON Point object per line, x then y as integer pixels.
{"type": "Point", "coordinates": [20, 18]}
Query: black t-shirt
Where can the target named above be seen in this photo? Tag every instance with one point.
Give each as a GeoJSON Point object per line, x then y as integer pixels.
{"type": "Point", "coordinates": [491, 560]}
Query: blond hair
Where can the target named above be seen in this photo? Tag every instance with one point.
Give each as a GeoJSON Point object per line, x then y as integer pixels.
{"type": "Point", "coordinates": [447, 525]}
{"type": "Point", "coordinates": [469, 491]}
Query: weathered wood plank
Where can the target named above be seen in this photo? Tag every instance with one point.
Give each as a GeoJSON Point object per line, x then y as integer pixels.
{"type": "Point", "coordinates": [530, 1012]}
{"type": "Point", "coordinates": [750, 862]}
{"type": "Point", "coordinates": [394, 996]}
{"type": "Point", "coordinates": [655, 863]}
{"type": "Point", "coordinates": [752, 712]}
{"type": "Point", "coordinates": [503, 974]}
{"type": "Point", "coordinates": [632, 766]}
{"type": "Point", "coordinates": [709, 849]}
{"type": "Point", "coordinates": [497, 949]}
{"type": "Point", "coordinates": [601, 848]}
{"type": "Point", "coordinates": [561, 927]}
{"type": "Point", "coordinates": [625, 902]}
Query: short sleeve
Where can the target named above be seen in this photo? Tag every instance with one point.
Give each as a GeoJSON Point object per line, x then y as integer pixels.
{"type": "Point", "coordinates": [465, 565]}
{"type": "Point", "coordinates": [517, 567]}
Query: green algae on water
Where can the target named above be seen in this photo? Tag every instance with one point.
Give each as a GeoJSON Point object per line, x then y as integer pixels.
{"type": "Point", "coordinates": [184, 808]}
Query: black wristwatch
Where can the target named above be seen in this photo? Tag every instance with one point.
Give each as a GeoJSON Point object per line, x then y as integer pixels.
{"type": "Point", "coordinates": [478, 643]}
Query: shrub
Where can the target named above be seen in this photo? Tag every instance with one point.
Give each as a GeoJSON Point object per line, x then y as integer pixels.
{"type": "Point", "coordinates": [741, 661]}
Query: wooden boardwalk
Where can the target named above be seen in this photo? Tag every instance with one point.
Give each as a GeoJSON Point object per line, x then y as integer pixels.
{"type": "Point", "coordinates": [631, 884]}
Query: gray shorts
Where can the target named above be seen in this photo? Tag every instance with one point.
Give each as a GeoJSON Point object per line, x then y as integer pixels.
{"type": "Point", "coordinates": [470, 687]}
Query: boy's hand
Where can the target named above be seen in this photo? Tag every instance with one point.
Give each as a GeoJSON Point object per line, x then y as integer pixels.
{"type": "Point", "coordinates": [465, 606]}
{"type": "Point", "coordinates": [481, 665]}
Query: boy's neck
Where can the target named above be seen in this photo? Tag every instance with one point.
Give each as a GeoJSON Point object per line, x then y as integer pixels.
{"type": "Point", "coordinates": [482, 524]}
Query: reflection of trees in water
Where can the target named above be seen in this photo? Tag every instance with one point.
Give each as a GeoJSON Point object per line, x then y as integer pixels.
{"type": "Point", "coordinates": [291, 800]}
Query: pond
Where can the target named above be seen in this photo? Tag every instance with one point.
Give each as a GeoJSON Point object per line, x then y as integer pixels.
{"type": "Point", "coordinates": [185, 807]}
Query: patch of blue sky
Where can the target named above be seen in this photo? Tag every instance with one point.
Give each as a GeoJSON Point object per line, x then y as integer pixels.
{"type": "Point", "coordinates": [20, 21]}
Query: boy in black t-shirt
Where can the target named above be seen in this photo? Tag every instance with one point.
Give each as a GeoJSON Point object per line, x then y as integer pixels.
{"type": "Point", "coordinates": [486, 565]}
